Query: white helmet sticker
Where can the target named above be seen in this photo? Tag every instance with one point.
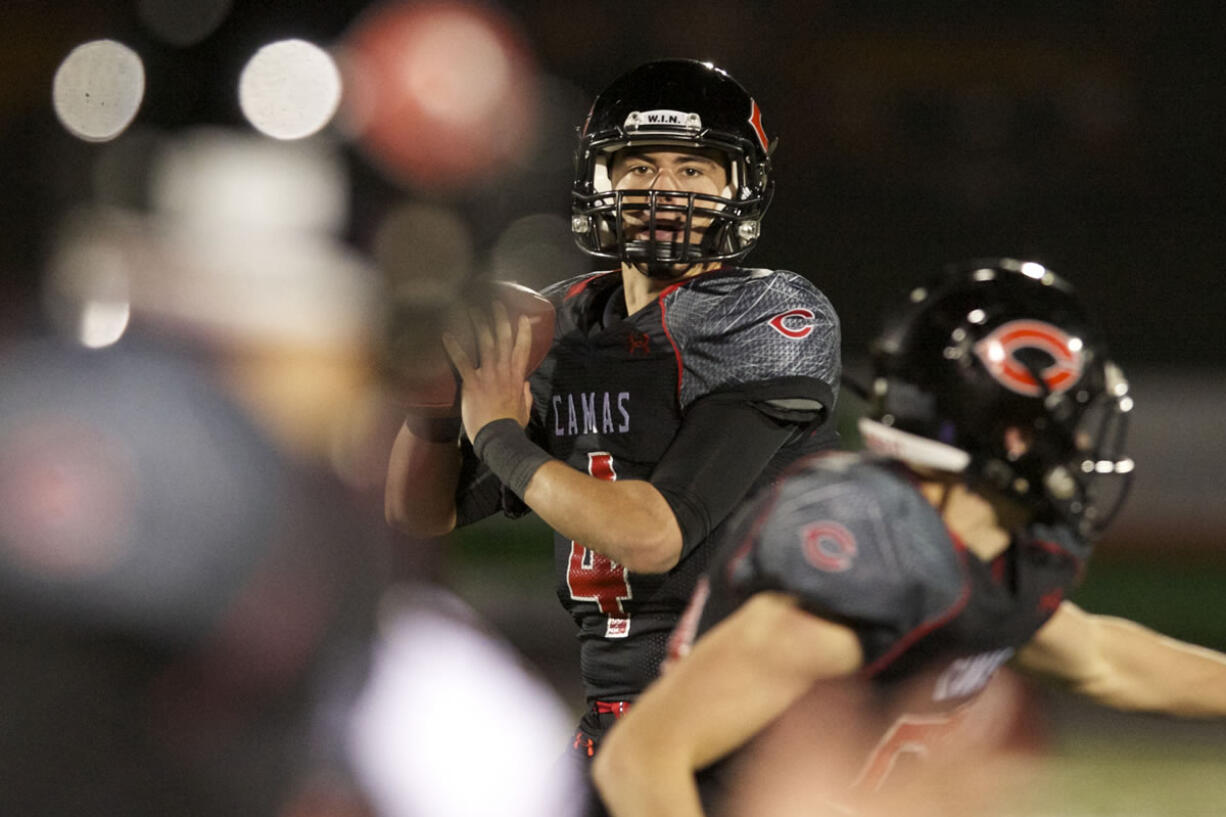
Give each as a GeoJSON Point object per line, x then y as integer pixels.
{"type": "Point", "coordinates": [675, 119]}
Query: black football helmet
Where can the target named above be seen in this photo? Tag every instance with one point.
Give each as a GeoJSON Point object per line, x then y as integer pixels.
{"type": "Point", "coordinates": [995, 370]}
{"type": "Point", "coordinates": [681, 103]}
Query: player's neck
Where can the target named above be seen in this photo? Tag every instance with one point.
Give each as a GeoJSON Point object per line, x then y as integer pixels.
{"type": "Point", "coordinates": [982, 523]}
{"type": "Point", "coordinates": [640, 289]}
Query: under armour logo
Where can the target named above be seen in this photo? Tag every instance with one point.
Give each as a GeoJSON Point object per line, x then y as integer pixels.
{"type": "Point", "coordinates": [639, 342]}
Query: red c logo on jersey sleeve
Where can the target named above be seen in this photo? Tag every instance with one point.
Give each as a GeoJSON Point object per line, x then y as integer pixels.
{"type": "Point", "coordinates": [795, 323]}
{"type": "Point", "coordinates": [828, 546]}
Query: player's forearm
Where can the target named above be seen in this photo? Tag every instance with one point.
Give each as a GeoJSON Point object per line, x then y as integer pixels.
{"type": "Point", "coordinates": [628, 521]}
{"type": "Point", "coordinates": [643, 771]}
{"type": "Point", "coordinates": [645, 790]}
{"type": "Point", "coordinates": [645, 768]}
{"type": "Point", "coordinates": [1154, 673]}
{"type": "Point", "coordinates": [422, 472]}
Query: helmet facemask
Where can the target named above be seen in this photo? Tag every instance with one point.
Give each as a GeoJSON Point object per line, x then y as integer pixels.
{"type": "Point", "coordinates": [627, 225]}
{"type": "Point", "coordinates": [1079, 460]}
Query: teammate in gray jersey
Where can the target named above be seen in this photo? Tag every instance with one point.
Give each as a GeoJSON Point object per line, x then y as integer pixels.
{"type": "Point", "coordinates": [996, 435]}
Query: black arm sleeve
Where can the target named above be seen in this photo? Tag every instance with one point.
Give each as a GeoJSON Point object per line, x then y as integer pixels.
{"type": "Point", "coordinates": [478, 492]}
{"type": "Point", "coordinates": [723, 446]}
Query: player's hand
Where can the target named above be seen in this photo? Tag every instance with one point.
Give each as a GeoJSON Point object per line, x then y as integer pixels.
{"type": "Point", "coordinates": [495, 386]}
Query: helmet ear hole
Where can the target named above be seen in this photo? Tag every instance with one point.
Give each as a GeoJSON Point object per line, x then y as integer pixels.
{"type": "Point", "coordinates": [1016, 442]}
{"type": "Point", "coordinates": [601, 181]}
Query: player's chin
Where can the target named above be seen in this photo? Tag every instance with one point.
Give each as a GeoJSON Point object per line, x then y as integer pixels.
{"type": "Point", "coordinates": [665, 271]}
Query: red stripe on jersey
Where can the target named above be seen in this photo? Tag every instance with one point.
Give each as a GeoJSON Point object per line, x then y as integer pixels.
{"type": "Point", "coordinates": [579, 286]}
{"type": "Point", "coordinates": [1057, 549]}
{"type": "Point", "coordinates": [664, 324]}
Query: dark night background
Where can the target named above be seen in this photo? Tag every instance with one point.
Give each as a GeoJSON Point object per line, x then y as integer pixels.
{"type": "Point", "coordinates": [1083, 135]}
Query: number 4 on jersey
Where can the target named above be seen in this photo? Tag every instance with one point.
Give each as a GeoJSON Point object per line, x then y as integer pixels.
{"type": "Point", "coordinates": [594, 577]}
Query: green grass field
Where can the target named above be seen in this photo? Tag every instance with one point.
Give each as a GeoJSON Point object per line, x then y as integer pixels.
{"type": "Point", "coordinates": [1113, 775]}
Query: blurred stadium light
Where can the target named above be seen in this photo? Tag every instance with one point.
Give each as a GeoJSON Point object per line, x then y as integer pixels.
{"type": "Point", "coordinates": [442, 95]}
{"type": "Point", "coordinates": [290, 89]}
{"type": "Point", "coordinates": [98, 89]}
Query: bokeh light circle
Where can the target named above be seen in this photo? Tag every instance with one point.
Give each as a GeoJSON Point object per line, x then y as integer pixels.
{"type": "Point", "coordinates": [290, 89]}
{"type": "Point", "coordinates": [442, 95]}
{"type": "Point", "coordinates": [98, 89]}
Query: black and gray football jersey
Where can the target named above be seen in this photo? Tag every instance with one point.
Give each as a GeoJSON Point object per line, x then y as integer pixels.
{"type": "Point", "coordinates": [853, 540]}
{"type": "Point", "coordinates": [851, 537]}
{"type": "Point", "coordinates": [611, 396]}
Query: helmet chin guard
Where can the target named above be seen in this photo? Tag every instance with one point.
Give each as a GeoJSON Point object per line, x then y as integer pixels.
{"type": "Point", "coordinates": [678, 105]}
{"type": "Point", "coordinates": [602, 229]}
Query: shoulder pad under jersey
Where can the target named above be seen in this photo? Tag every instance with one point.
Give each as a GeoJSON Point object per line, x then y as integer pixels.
{"type": "Point", "coordinates": [857, 544]}
{"type": "Point", "coordinates": [559, 291]}
{"type": "Point", "coordinates": [753, 327]}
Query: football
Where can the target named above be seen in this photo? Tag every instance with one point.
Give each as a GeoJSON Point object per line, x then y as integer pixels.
{"type": "Point", "coordinates": [433, 387]}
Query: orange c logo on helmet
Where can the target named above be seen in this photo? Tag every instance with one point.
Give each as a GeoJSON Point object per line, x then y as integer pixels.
{"type": "Point", "coordinates": [998, 352]}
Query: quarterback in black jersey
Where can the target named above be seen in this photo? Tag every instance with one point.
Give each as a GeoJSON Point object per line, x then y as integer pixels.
{"type": "Point", "coordinates": [918, 568]}
{"type": "Point", "coordinates": [678, 381]}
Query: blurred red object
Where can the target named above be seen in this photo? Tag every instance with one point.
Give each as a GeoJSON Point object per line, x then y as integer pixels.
{"type": "Point", "coordinates": [441, 95]}
{"type": "Point", "coordinates": [434, 389]}
{"type": "Point", "coordinates": [977, 761]}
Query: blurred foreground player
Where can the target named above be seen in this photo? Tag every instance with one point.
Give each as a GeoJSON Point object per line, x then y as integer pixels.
{"type": "Point", "coordinates": [186, 586]}
{"type": "Point", "coordinates": [441, 675]}
{"type": "Point", "coordinates": [677, 381]}
{"type": "Point", "coordinates": [997, 430]}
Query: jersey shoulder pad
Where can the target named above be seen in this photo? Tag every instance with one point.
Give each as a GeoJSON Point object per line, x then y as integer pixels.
{"type": "Point", "coordinates": [857, 544]}
{"type": "Point", "coordinates": [754, 327]}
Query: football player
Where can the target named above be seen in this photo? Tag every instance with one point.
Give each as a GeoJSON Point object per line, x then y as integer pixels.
{"type": "Point", "coordinates": [187, 584]}
{"type": "Point", "coordinates": [678, 379]}
{"type": "Point", "coordinates": [995, 457]}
